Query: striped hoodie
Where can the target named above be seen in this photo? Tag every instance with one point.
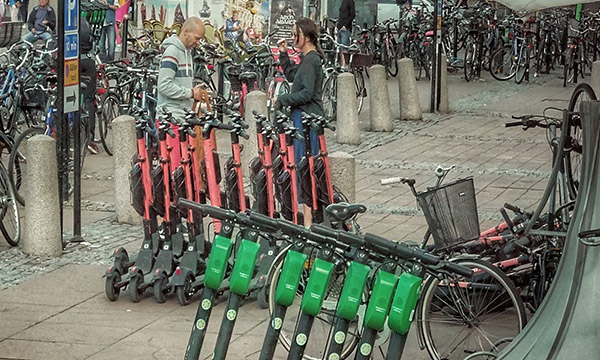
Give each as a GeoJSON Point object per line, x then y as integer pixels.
{"type": "Point", "coordinates": [175, 78]}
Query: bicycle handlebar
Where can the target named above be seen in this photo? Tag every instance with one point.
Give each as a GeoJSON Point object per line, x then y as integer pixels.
{"type": "Point", "coordinates": [395, 180]}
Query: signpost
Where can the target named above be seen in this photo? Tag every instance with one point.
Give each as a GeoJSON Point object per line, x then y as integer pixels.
{"type": "Point", "coordinates": [68, 108]}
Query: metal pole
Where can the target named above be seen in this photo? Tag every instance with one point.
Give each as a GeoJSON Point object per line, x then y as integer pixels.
{"type": "Point", "coordinates": [58, 120]}
{"type": "Point", "coordinates": [78, 146]}
{"type": "Point", "coordinates": [434, 61]}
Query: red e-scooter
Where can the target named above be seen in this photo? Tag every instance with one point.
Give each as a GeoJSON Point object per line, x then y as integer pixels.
{"type": "Point", "coordinates": [118, 275]}
{"type": "Point", "coordinates": [234, 179]}
{"type": "Point", "coordinates": [261, 168]}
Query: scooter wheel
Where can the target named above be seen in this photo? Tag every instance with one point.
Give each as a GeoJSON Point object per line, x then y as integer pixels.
{"type": "Point", "coordinates": [112, 291]}
{"type": "Point", "coordinates": [185, 292]}
{"type": "Point", "coordinates": [134, 288]}
{"type": "Point", "coordinates": [262, 298]}
{"type": "Point", "coordinates": [161, 287]}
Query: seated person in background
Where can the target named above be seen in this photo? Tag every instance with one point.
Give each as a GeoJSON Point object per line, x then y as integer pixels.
{"type": "Point", "coordinates": [41, 21]}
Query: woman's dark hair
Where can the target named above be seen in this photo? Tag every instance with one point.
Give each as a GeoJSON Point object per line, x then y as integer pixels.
{"type": "Point", "coordinates": [310, 30]}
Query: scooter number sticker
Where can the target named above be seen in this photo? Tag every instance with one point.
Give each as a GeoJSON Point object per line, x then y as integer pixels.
{"type": "Point", "coordinates": [334, 356]}
{"type": "Point", "coordinates": [277, 322]}
{"type": "Point", "coordinates": [340, 337]}
{"type": "Point", "coordinates": [231, 315]}
{"type": "Point", "coordinates": [301, 339]}
{"type": "Point", "coordinates": [146, 246]}
{"type": "Point", "coordinates": [200, 324]}
{"type": "Point", "coordinates": [206, 304]}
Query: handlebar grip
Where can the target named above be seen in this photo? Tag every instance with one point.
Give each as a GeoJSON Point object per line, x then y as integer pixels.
{"type": "Point", "coordinates": [244, 135]}
{"type": "Point", "coordinates": [513, 208]}
{"type": "Point", "coordinates": [190, 132]}
{"type": "Point", "coordinates": [227, 127]}
{"type": "Point", "coordinates": [390, 181]}
{"type": "Point", "coordinates": [290, 228]}
{"type": "Point", "coordinates": [170, 132]}
{"type": "Point", "coordinates": [330, 127]}
{"type": "Point", "coordinates": [457, 269]}
{"type": "Point", "coordinates": [513, 124]}
{"type": "Point", "coordinates": [299, 137]}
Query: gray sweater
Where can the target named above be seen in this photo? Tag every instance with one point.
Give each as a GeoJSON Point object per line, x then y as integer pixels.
{"type": "Point", "coordinates": [175, 78]}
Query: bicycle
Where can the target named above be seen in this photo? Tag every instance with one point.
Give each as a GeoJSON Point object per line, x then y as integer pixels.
{"type": "Point", "coordinates": [358, 64]}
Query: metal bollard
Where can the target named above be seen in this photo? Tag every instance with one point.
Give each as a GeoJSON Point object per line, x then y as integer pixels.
{"type": "Point", "coordinates": [125, 147]}
{"type": "Point", "coordinates": [348, 131]}
{"type": "Point", "coordinates": [381, 115]}
{"type": "Point", "coordinates": [410, 107]}
{"type": "Point", "coordinates": [343, 169]}
{"type": "Point", "coordinates": [595, 81]}
{"type": "Point", "coordinates": [41, 226]}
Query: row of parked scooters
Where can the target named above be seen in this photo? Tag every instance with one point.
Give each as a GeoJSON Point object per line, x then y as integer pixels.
{"type": "Point", "coordinates": [172, 258]}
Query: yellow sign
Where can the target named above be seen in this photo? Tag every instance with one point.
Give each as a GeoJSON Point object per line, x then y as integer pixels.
{"type": "Point", "coordinates": [71, 72]}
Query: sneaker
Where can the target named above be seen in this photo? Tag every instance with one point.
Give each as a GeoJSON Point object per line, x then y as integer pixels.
{"type": "Point", "coordinates": [92, 147]}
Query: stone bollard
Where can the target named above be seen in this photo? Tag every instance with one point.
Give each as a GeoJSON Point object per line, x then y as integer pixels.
{"type": "Point", "coordinates": [410, 107]}
{"type": "Point", "coordinates": [595, 81]}
{"type": "Point", "coordinates": [343, 173]}
{"type": "Point", "coordinates": [379, 100]}
{"type": "Point", "coordinates": [444, 101]}
{"type": "Point", "coordinates": [125, 147]}
{"type": "Point", "coordinates": [41, 226]}
{"type": "Point", "coordinates": [256, 100]}
{"type": "Point", "coordinates": [348, 131]}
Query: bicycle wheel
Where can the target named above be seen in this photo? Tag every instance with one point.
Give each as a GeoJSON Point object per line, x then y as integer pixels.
{"type": "Point", "coordinates": [522, 65]}
{"type": "Point", "coordinates": [361, 90]}
{"type": "Point", "coordinates": [569, 68]}
{"type": "Point", "coordinates": [329, 97]}
{"type": "Point", "coordinates": [323, 323]}
{"type": "Point", "coordinates": [392, 59]}
{"type": "Point", "coordinates": [109, 110]}
{"type": "Point", "coordinates": [574, 146]}
{"type": "Point", "coordinates": [10, 225]}
{"type": "Point", "coordinates": [470, 59]}
{"type": "Point", "coordinates": [17, 165]}
{"type": "Point", "coordinates": [457, 316]}
{"type": "Point", "coordinates": [502, 63]}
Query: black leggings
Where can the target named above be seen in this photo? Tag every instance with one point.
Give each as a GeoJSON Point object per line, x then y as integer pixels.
{"type": "Point", "coordinates": [88, 69]}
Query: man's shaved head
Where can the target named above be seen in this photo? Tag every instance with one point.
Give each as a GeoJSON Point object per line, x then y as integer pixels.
{"type": "Point", "coordinates": [192, 32]}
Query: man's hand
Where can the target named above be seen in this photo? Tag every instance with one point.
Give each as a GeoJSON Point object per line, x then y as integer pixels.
{"type": "Point", "coordinates": [199, 93]}
{"type": "Point", "coordinates": [282, 45]}
{"type": "Point", "coordinates": [343, 28]}
{"type": "Point", "coordinates": [45, 22]}
{"type": "Point", "coordinates": [33, 30]}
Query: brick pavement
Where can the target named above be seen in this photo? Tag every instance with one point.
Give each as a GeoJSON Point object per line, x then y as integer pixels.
{"type": "Point", "coordinates": [56, 309]}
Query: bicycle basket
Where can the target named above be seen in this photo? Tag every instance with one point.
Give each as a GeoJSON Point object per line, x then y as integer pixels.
{"type": "Point", "coordinates": [451, 212]}
{"type": "Point", "coordinates": [360, 60]}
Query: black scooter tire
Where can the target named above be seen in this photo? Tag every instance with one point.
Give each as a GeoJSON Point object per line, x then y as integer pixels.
{"type": "Point", "coordinates": [112, 292]}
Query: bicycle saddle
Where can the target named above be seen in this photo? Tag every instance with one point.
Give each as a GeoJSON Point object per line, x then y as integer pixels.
{"type": "Point", "coordinates": [247, 76]}
{"type": "Point", "coordinates": [344, 211]}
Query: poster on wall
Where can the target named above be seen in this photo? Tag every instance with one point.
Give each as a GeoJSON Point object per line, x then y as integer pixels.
{"type": "Point", "coordinates": [284, 14]}
{"type": "Point", "coordinates": [166, 12]}
{"type": "Point", "coordinates": [235, 21]}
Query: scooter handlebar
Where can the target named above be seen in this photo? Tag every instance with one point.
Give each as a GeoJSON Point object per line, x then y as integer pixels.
{"type": "Point", "coordinates": [457, 269]}
{"type": "Point", "coordinates": [342, 236]}
{"type": "Point", "coordinates": [402, 250]}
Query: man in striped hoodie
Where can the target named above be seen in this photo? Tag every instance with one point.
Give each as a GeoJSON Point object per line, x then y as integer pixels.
{"type": "Point", "coordinates": [176, 92]}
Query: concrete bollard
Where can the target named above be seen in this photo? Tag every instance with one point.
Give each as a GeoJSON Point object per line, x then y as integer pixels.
{"type": "Point", "coordinates": [595, 81]}
{"type": "Point", "coordinates": [444, 101]}
{"type": "Point", "coordinates": [379, 100]}
{"type": "Point", "coordinates": [410, 107]}
{"type": "Point", "coordinates": [256, 100]}
{"type": "Point", "coordinates": [348, 131]}
{"type": "Point", "coordinates": [125, 147]}
{"type": "Point", "coordinates": [343, 173]}
{"type": "Point", "coordinates": [41, 226]}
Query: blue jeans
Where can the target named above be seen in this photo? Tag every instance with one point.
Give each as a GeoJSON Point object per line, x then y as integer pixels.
{"type": "Point", "coordinates": [299, 145]}
{"type": "Point", "coordinates": [31, 37]}
{"type": "Point", "coordinates": [108, 35]}
{"type": "Point", "coordinates": [343, 37]}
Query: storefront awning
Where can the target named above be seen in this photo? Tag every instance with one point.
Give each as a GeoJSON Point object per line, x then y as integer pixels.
{"type": "Point", "coordinates": [534, 5]}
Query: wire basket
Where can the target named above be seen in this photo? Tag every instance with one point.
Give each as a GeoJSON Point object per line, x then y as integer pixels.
{"type": "Point", "coordinates": [451, 213]}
